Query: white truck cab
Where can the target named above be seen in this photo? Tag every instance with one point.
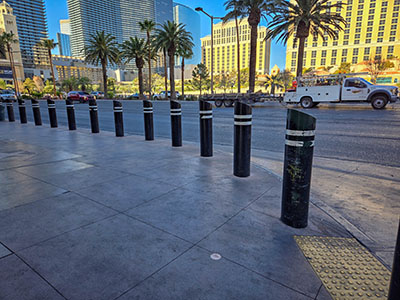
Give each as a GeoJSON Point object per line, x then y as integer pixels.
{"type": "Point", "coordinates": [334, 89]}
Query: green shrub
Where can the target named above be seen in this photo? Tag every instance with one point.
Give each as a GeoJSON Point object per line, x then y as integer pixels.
{"type": "Point", "coordinates": [110, 95]}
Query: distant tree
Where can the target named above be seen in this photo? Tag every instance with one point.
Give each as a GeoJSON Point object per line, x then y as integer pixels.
{"type": "Point", "coordinates": [300, 18]}
{"type": "Point", "coordinates": [39, 83]}
{"type": "Point", "coordinates": [102, 49]}
{"type": "Point", "coordinates": [2, 84]}
{"type": "Point", "coordinates": [136, 49]}
{"type": "Point", "coordinates": [377, 66]}
{"type": "Point", "coordinates": [280, 80]}
{"type": "Point", "coordinates": [184, 53]}
{"type": "Point", "coordinates": [50, 45]}
{"type": "Point", "coordinates": [148, 26]}
{"type": "Point", "coordinates": [200, 78]}
{"type": "Point", "coordinates": [6, 41]}
{"type": "Point", "coordinates": [84, 83]}
{"type": "Point", "coordinates": [344, 68]}
{"type": "Point", "coordinates": [29, 86]}
{"type": "Point", "coordinates": [172, 36]}
{"type": "Point", "coordinates": [48, 88]}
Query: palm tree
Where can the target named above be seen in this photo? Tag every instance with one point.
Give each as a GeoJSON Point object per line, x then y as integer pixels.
{"type": "Point", "coordinates": [234, 13]}
{"type": "Point", "coordinates": [50, 45]}
{"type": "Point", "coordinates": [302, 18]}
{"type": "Point", "coordinates": [6, 39]}
{"type": "Point", "coordinates": [148, 26]}
{"type": "Point", "coordinates": [172, 37]}
{"type": "Point", "coordinates": [136, 48]}
{"type": "Point", "coordinates": [102, 49]}
{"type": "Point", "coordinates": [184, 53]}
{"type": "Point", "coordinates": [165, 72]}
{"type": "Point", "coordinates": [254, 10]}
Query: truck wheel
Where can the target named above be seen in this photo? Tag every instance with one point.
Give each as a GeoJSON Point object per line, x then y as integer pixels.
{"type": "Point", "coordinates": [306, 102]}
{"type": "Point", "coordinates": [218, 103]}
{"type": "Point", "coordinates": [379, 102]}
{"type": "Point", "coordinates": [228, 103]}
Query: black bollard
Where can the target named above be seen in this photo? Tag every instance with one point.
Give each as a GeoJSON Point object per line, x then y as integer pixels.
{"type": "Point", "coordinates": [394, 289]}
{"type": "Point", "coordinates": [242, 140]}
{"type": "Point", "coordinates": [176, 123]}
{"type": "Point", "coordinates": [148, 120]}
{"type": "Point", "coordinates": [70, 114]}
{"type": "Point", "coordinates": [299, 149]}
{"type": "Point", "coordinates": [22, 111]}
{"type": "Point", "coordinates": [94, 118]}
{"type": "Point", "coordinates": [51, 106]}
{"type": "Point", "coordinates": [36, 112]}
{"type": "Point", "coordinates": [10, 110]}
{"type": "Point", "coordinates": [118, 118]}
{"type": "Point", "coordinates": [206, 137]}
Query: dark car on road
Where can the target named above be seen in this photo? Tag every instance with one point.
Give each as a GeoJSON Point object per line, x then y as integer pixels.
{"type": "Point", "coordinates": [82, 97]}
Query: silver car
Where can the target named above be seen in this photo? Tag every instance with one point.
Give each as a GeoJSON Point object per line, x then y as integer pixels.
{"type": "Point", "coordinates": [7, 95]}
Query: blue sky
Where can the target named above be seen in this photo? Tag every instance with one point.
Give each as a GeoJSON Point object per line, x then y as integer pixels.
{"type": "Point", "coordinates": [57, 9]}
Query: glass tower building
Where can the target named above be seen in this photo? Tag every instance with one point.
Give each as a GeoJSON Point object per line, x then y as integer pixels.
{"type": "Point", "coordinates": [119, 18]}
{"type": "Point", "coordinates": [32, 28]}
{"type": "Point", "coordinates": [185, 15]}
{"type": "Point", "coordinates": [64, 44]}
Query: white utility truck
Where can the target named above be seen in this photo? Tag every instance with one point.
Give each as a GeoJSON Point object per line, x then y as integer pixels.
{"type": "Point", "coordinates": [333, 89]}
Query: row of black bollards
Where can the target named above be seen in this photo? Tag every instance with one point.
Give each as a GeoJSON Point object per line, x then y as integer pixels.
{"type": "Point", "coordinates": [94, 118]}
{"type": "Point", "coordinates": [51, 106]}
{"type": "Point", "coordinates": [148, 120]}
{"type": "Point", "coordinates": [22, 111]}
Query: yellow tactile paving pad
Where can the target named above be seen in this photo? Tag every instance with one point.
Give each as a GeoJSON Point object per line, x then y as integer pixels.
{"type": "Point", "coordinates": [345, 267]}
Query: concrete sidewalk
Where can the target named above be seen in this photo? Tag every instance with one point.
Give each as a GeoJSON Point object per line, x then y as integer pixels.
{"type": "Point", "coordinates": [86, 216]}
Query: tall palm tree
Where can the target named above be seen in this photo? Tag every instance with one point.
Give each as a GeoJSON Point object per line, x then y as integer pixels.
{"type": "Point", "coordinates": [165, 72]}
{"type": "Point", "coordinates": [148, 26]}
{"type": "Point", "coordinates": [102, 49]}
{"type": "Point", "coordinates": [302, 18]}
{"type": "Point", "coordinates": [50, 45]}
{"type": "Point", "coordinates": [6, 40]}
{"type": "Point", "coordinates": [172, 36]}
{"type": "Point", "coordinates": [233, 6]}
{"type": "Point", "coordinates": [184, 53]}
{"type": "Point", "coordinates": [254, 10]}
{"type": "Point", "coordinates": [136, 48]}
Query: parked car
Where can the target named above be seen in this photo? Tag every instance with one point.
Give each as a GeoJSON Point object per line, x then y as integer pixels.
{"type": "Point", "coordinates": [7, 95]}
{"type": "Point", "coordinates": [161, 95]}
{"type": "Point", "coordinates": [97, 95]}
{"type": "Point", "coordinates": [82, 97]}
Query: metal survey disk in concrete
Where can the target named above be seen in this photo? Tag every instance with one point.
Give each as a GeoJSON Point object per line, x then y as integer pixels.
{"type": "Point", "coordinates": [345, 267]}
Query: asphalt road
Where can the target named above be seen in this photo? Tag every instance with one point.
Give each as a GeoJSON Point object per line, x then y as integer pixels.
{"type": "Point", "coordinates": [346, 132]}
{"type": "Point", "coordinates": [356, 171]}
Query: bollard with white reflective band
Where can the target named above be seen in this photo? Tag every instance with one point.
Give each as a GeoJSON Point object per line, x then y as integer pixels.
{"type": "Point", "coordinates": [94, 118]}
{"type": "Point", "coordinates": [22, 111]}
{"type": "Point", "coordinates": [394, 289]}
{"type": "Point", "coordinates": [242, 139]}
{"type": "Point", "coordinates": [51, 106]}
{"type": "Point", "coordinates": [206, 137]}
{"type": "Point", "coordinates": [10, 110]}
{"type": "Point", "coordinates": [69, 104]}
{"type": "Point", "coordinates": [118, 118]}
{"type": "Point", "coordinates": [299, 149]}
{"type": "Point", "coordinates": [148, 120]}
{"type": "Point", "coordinates": [176, 123]}
{"type": "Point", "coordinates": [36, 112]}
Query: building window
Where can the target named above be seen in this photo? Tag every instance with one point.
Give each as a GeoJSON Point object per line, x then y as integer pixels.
{"type": "Point", "coordinates": [369, 29]}
{"type": "Point", "coordinates": [334, 53]}
{"type": "Point", "coordinates": [344, 52]}
{"type": "Point", "coordinates": [390, 49]}
{"type": "Point", "coordinates": [323, 61]}
{"type": "Point", "coordinates": [343, 59]}
{"type": "Point", "coordinates": [354, 60]}
{"type": "Point", "coordinates": [380, 33]}
{"type": "Point", "coordinates": [378, 50]}
{"type": "Point", "coordinates": [380, 40]}
{"type": "Point", "coordinates": [333, 61]}
{"type": "Point", "coordinates": [392, 39]}
{"type": "Point", "coordinates": [370, 23]}
{"type": "Point", "coordinates": [323, 53]}
{"type": "Point", "coordinates": [294, 54]}
{"type": "Point", "coordinates": [368, 41]}
{"type": "Point", "coordinates": [355, 51]}
{"type": "Point", "coordinates": [293, 63]}
{"type": "Point", "coordinates": [314, 54]}
{"type": "Point", "coordinates": [313, 62]}
{"type": "Point", "coordinates": [367, 51]}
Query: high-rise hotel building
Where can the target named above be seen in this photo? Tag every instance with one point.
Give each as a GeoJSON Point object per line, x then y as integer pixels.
{"type": "Point", "coordinates": [225, 52]}
{"type": "Point", "coordinates": [119, 18]}
{"type": "Point", "coordinates": [372, 30]}
{"type": "Point", "coordinates": [32, 28]}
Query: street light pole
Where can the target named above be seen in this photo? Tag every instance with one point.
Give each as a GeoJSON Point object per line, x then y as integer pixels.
{"type": "Point", "coordinates": [212, 44]}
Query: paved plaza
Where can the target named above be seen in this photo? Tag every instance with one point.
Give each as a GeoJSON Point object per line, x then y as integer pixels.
{"type": "Point", "coordinates": [86, 216]}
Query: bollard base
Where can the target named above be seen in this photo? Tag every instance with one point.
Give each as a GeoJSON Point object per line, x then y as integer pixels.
{"type": "Point", "coordinates": [294, 223]}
